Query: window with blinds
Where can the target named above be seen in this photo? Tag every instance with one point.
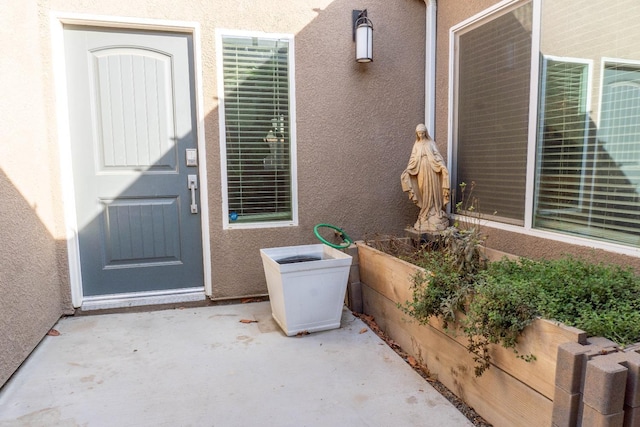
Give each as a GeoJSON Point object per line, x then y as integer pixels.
{"type": "Point", "coordinates": [589, 181]}
{"type": "Point", "coordinates": [257, 129]}
{"type": "Point", "coordinates": [561, 173]}
{"type": "Point", "coordinates": [586, 167]}
{"type": "Point", "coordinates": [492, 108]}
{"type": "Point", "coordinates": [588, 143]}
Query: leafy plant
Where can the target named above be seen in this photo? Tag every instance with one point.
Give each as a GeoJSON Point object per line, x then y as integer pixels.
{"type": "Point", "coordinates": [601, 299]}
{"type": "Point", "coordinates": [498, 313]}
{"type": "Point", "coordinates": [500, 299]}
{"type": "Point", "coordinates": [441, 291]}
{"type": "Point", "coordinates": [465, 240]}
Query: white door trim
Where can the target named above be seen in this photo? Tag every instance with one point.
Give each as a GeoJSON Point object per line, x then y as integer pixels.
{"type": "Point", "coordinates": [57, 21]}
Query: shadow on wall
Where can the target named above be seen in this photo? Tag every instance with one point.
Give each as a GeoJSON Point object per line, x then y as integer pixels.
{"type": "Point", "coordinates": [31, 286]}
{"type": "Point", "coordinates": [342, 124]}
{"type": "Point", "coordinates": [603, 184]}
{"type": "Point", "coordinates": [354, 133]}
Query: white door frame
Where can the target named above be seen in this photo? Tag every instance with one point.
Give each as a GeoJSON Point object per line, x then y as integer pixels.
{"type": "Point", "coordinates": [57, 21]}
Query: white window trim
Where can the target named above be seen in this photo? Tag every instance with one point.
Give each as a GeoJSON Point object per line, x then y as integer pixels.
{"type": "Point", "coordinates": [470, 24]}
{"type": "Point", "coordinates": [534, 91]}
{"type": "Point", "coordinates": [541, 106]}
{"type": "Point", "coordinates": [226, 225]}
{"type": "Point", "coordinates": [603, 64]}
{"type": "Point", "coordinates": [527, 230]}
{"type": "Point", "coordinates": [605, 60]}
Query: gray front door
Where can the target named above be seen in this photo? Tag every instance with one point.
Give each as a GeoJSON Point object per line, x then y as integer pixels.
{"type": "Point", "coordinates": [132, 121]}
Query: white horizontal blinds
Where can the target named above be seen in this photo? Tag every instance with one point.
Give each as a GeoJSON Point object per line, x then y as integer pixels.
{"type": "Point", "coordinates": [619, 129]}
{"type": "Point", "coordinates": [615, 206]}
{"type": "Point", "coordinates": [257, 128]}
{"type": "Point", "coordinates": [494, 62]}
{"type": "Point", "coordinates": [561, 168]}
{"type": "Point", "coordinates": [589, 181]}
{"type": "Point", "coordinates": [588, 165]}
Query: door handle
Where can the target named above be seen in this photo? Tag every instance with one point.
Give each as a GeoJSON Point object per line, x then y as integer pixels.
{"type": "Point", "coordinates": [192, 184]}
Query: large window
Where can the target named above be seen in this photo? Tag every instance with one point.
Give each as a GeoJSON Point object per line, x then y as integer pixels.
{"type": "Point", "coordinates": [592, 189]}
{"type": "Point", "coordinates": [562, 166]}
{"type": "Point", "coordinates": [493, 74]}
{"type": "Point", "coordinates": [578, 161]}
{"type": "Point", "coordinates": [258, 140]}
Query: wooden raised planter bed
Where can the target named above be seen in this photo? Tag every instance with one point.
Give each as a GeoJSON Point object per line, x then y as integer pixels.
{"type": "Point", "coordinates": [511, 393]}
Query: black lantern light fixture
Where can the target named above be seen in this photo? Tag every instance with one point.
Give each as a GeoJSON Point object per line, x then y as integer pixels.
{"type": "Point", "coordinates": [363, 36]}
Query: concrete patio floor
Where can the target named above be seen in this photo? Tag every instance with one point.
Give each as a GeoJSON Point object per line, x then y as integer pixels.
{"type": "Point", "coordinates": [203, 367]}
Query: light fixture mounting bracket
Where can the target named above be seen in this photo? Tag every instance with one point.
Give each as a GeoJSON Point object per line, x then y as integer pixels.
{"type": "Point", "coordinates": [355, 15]}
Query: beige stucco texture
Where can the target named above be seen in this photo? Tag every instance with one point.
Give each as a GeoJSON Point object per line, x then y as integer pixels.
{"type": "Point", "coordinates": [354, 125]}
{"type": "Point", "coordinates": [354, 134]}
{"type": "Point", "coordinates": [34, 291]}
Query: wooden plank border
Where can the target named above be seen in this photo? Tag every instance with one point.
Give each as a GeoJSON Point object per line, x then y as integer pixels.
{"type": "Point", "coordinates": [512, 392]}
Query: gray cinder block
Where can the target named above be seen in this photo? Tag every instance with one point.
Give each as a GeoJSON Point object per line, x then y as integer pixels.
{"type": "Point", "coordinates": [565, 408]}
{"type": "Point", "coordinates": [604, 385]}
{"type": "Point", "coordinates": [594, 418]}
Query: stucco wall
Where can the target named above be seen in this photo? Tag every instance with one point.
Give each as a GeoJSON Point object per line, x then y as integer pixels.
{"type": "Point", "coordinates": [519, 243]}
{"type": "Point", "coordinates": [355, 122]}
{"type": "Point", "coordinates": [34, 289]}
{"type": "Point", "coordinates": [541, 248]}
{"type": "Point", "coordinates": [355, 128]}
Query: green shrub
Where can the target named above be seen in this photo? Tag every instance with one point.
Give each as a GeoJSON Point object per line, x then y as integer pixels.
{"type": "Point", "coordinates": [441, 291]}
{"type": "Point", "coordinates": [498, 312]}
{"type": "Point", "coordinates": [501, 298]}
{"type": "Point", "coordinates": [603, 300]}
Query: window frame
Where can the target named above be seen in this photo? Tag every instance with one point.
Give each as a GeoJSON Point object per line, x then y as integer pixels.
{"type": "Point", "coordinates": [604, 62]}
{"type": "Point", "coordinates": [226, 224]}
{"type": "Point", "coordinates": [588, 64]}
{"type": "Point", "coordinates": [527, 229]}
{"type": "Point", "coordinates": [496, 11]}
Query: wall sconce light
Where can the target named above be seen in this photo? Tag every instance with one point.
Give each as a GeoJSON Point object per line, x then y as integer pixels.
{"type": "Point", "coordinates": [363, 36]}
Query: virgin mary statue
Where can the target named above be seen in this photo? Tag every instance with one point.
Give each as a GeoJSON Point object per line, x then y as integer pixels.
{"type": "Point", "coordinates": [426, 180]}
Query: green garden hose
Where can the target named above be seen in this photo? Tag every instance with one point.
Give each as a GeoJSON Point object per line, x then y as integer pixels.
{"type": "Point", "coordinates": [346, 240]}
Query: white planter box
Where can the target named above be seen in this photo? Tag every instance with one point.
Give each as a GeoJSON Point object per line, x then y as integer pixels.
{"type": "Point", "coordinates": [306, 296]}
